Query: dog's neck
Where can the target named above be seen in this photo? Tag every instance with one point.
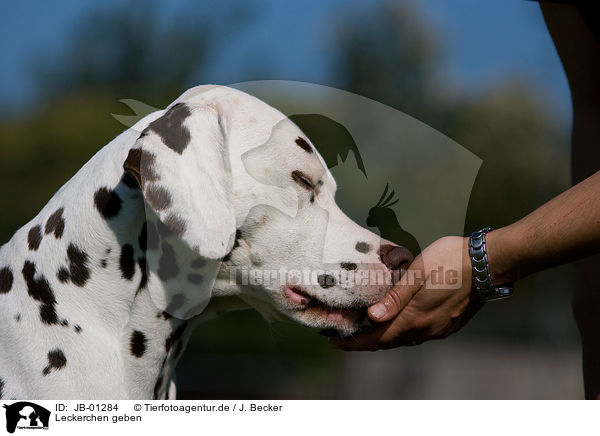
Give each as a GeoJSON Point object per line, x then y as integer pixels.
{"type": "Point", "coordinates": [100, 314]}
{"type": "Point", "coordinates": [166, 335]}
{"type": "Point", "coordinates": [151, 340]}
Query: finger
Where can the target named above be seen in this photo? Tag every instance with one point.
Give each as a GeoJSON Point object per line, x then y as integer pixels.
{"type": "Point", "coordinates": [401, 294]}
{"type": "Point", "coordinates": [393, 302]}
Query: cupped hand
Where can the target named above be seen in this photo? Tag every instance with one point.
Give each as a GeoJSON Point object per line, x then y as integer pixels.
{"type": "Point", "coordinates": [433, 299]}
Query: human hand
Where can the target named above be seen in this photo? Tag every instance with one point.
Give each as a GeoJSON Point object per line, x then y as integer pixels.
{"type": "Point", "coordinates": [432, 300]}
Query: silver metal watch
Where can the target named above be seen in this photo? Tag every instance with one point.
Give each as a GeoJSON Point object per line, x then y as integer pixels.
{"type": "Point", "coordinates": [482, 280]}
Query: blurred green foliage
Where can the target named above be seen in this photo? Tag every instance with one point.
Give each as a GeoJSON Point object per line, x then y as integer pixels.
{"type": "Point", "coordinates": [127, 52]}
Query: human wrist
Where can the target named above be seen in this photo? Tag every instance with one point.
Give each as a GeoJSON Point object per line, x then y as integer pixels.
{"type": "Point", "coordinates": [502, 255]}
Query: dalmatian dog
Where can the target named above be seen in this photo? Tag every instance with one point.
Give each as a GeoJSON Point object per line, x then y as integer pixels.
{"type": "Point", "coordinates": [162, 230]}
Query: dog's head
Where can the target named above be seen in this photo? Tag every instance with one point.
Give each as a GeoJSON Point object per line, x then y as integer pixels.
{"type": "Point", "coordinates": [240, 183]}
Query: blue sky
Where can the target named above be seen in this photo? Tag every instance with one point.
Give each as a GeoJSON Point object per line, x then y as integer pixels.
{"type": "Point", "coordinates": [483, 42]}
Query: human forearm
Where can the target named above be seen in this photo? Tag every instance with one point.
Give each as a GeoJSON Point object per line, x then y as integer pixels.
{"type": "Point", "coordinates": [562, 230]}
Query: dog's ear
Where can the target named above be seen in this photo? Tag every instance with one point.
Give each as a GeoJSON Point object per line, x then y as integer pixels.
{"type": "Point", "coordinates": [181, 165]}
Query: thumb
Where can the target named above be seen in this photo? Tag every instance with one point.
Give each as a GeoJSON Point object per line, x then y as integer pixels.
{"type": "Point", "coordinates": [394, 301]}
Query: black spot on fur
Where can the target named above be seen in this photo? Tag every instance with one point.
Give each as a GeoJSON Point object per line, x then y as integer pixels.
{"type": "Point", "coordinates": [326, 280]}
{"type": "Point", "coordinates": [48, 314]}
{"type": "Point", "coordinates": [18, 317]}
{"type": "Point", "coordinates": [171, 129]}
{"type": "Point", "coordinates": [157, 386]}
{"type": "Point", "coordinates": [56, 224]}
{"type": "Point", "coordinates": [63, 275]}
{"type": "Point", "coordinates": [40, 291]}
{"type": "Point", "coordinates": [107, 202]}
{"type": "Point", "coordinates": [144, 269]}
{"type": "Point", "coordinates": [1, 388]}
{"type": "Point", "coordinates": [198, 263]}
{"type": "Point", "coordinates": [301, 142]}
{"type": "Point", "coordinates": [126, 262]}
{"type": "Point", "coordinates": [143, 238]}
{"type": "Point", "coordinates": [176, 224]}
{"type": "Point", "coordinates": [152, 236]}
{"type": "Point", "coordinates": [167, 264]}
{"type": "Point", "coordinates": [362, 247]}
{"type": "Point", "coordinates": [312, 197]}
{"type": "Point", "coordinates": [103, 263]}
{"type": "Point", "coordinates": [34, 238]}
{"type": "Point", "coordinates": [64, 323]}
{"type": "Point", "coordinates": [137, 343]}
{"type": "Point", "coordinates": [349, 266]}
{"type": "Point", "coordinates": [147, 169]}
{"type": "Point", "coordinates": [56, 360]}
{"type": "Point", "coordinates": [195, 279]}
{"type": "Point", "coordinates": [78, 268]}
{"type": "Point", "coordinates": [158, 197]}
{"type": "Point", "coordinates": [175, 336]}
{"type": "Point", "coordinates": [6, 280]}
{"type": "Point", "coordinates": [77, 328]}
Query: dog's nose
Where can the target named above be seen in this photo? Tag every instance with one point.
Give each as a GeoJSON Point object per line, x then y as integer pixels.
{"type": "Point", "coordinates": [395, 257]}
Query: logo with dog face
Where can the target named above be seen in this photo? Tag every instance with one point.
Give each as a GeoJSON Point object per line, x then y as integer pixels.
{"type": "Point", "coordinates": [26, 415]}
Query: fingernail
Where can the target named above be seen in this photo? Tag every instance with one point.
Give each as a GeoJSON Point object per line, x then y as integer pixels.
{"type": "Point", "coordinates": [378, 310]}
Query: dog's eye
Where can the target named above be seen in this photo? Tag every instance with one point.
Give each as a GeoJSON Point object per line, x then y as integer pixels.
{"type": "Point", "coordinates": [302, 179]}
